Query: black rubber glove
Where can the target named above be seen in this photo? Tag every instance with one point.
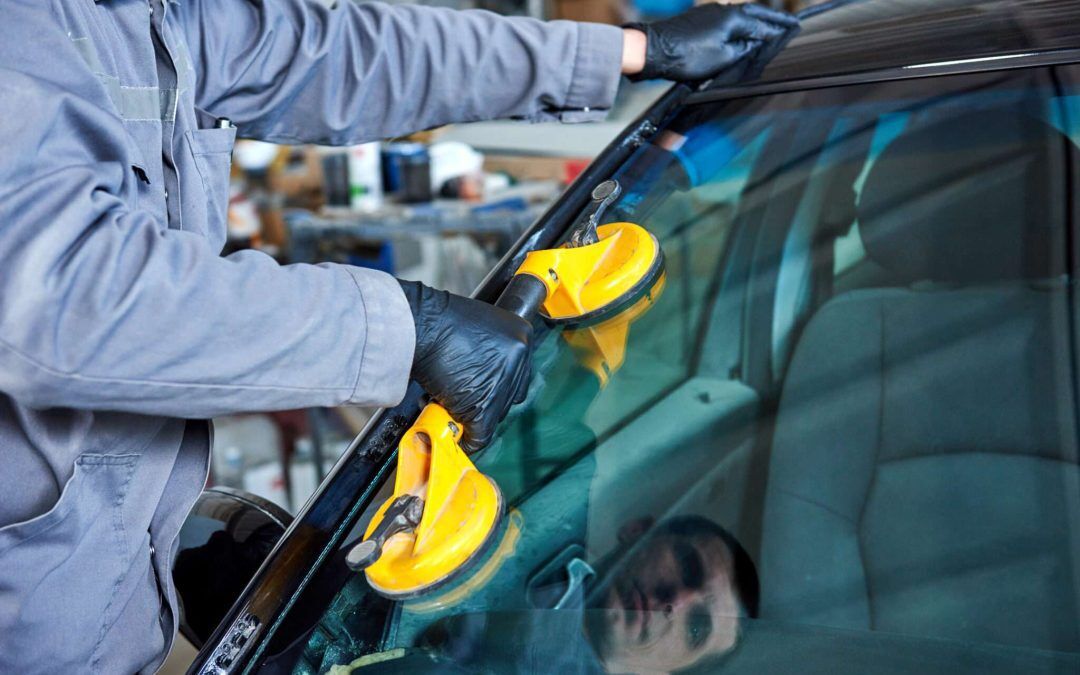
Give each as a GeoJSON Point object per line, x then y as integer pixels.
{"type": "Point", "coordinates": [707, 40]}
{"type": "Point", "coordinates": [471, 357]}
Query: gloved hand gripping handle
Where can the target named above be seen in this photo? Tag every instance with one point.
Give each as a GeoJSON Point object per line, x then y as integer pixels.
{"type": "Point", "coordinates": [523, 296]}
{"type": "Point", "coordinates": [527, 293]}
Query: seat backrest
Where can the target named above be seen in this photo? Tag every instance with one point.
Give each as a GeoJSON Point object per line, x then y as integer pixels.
{"type": "Point", "coordinates": [924, 474]}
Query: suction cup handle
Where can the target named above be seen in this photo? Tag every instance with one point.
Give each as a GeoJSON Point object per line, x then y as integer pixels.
{"type": "Point", "coordinates": [523, 296]}
{"type": "Point", "coordinates": [603, 196]}
{"type": "Point", "coordinates": [403, 515]}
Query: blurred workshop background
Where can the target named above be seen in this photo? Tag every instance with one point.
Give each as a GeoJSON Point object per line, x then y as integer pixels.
{"type": "Point", "coordinates": [440, 207]}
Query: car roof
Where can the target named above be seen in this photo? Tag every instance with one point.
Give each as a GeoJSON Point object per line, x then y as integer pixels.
{"type": "Point", "coordinates": [871, 35]}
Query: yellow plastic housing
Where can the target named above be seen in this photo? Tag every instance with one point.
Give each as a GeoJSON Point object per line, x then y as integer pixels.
{"type": "Point", "coordinates": [479, 576]}
{"type": "Point", "coordinates": [587, 279]}
{"type": "Point", "coordinates": [461, 509]}
{"type": "Point", "coordinates": [602, 347]}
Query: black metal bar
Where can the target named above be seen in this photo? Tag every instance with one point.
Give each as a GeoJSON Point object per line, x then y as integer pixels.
{"type": "Point", "coordinates": [523, 296]}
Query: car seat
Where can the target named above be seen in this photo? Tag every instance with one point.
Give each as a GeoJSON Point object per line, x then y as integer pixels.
{"type": "Point", "coordinates": [923, 476]}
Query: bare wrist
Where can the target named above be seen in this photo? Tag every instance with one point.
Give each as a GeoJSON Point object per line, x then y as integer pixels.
{"type": "Point", "coordinates": [633, 52]}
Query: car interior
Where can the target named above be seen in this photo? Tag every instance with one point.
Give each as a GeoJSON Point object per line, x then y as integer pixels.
{"type": "Point", "coordinates": [920, 477]}
{"type": "Point", "coordinates": [862, 366]}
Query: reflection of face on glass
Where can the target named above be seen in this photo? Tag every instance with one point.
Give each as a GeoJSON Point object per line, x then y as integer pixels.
{"type": "Point", "coordinates": [675, 597]}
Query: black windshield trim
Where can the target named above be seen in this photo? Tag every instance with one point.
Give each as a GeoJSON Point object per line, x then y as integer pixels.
{"type": "Point", "coordinates": [1002, 62]}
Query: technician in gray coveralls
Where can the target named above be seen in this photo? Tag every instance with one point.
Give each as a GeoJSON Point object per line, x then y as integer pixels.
{"type": "Point", "coordinates": [121, 327]}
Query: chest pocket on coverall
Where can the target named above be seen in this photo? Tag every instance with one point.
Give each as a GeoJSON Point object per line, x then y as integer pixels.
{"type": "Point", "coordinates": [211, 151]}
{"type": "Point", "coordinates": [70, 558]}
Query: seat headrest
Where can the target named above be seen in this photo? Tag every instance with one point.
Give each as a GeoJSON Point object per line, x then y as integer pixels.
{"type": "Point", "coordinates": [974, 198]}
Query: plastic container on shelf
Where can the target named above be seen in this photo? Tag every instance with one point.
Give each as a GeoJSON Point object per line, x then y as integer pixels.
{"type": "Point", "coordinates": [365, 177]}
{"type": "Point", "coordinates": [267, 481]}
{"type": "Point", "coordinates": [230, 471]}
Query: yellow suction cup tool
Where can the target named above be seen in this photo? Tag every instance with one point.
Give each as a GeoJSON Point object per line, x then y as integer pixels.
{"type": "Point", "coordinates": [601, 346]}
{"type": "Point", "coordinates": [602, 269]}
{"type": "Point", "coordinates": [442, 513]}
{"type": "Point", "coordinates": [587, 282]}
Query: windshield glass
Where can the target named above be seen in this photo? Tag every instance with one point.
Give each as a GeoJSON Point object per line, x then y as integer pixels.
{"type": "Point", "coordinates": [842, 434]}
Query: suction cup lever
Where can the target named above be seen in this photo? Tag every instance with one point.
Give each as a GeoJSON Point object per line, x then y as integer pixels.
{"type": "Point", "coordinates": [443, 511]}
{"type": "Point", "coordinates": [603, 196]}
{"type": "Point", "coordinates": [403, 515]}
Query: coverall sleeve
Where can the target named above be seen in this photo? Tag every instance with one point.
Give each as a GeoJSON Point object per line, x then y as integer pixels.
{"type": "Point", "coordinates": [343, 72]}
{"type": "Point", "coordinates": [102, 307]}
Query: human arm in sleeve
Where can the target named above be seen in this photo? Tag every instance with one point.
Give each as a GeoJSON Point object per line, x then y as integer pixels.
{"type": "Point", "coordinates": [102, 307]}
{"type": "Point", "coordinates": [302, 71]}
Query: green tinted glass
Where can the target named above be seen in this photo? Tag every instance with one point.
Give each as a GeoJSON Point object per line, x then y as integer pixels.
{"type": "Point", "coordinates": [847, 419]}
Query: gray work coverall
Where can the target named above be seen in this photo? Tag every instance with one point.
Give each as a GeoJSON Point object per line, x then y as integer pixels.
{"type": "Point", "coordinates": [121, 328]}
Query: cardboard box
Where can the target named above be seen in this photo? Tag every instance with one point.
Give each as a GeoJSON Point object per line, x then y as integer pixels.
{"type": "Point", "coordinates": [522, 167]}
{"type": "Point", "coordinates": [597, 11]}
